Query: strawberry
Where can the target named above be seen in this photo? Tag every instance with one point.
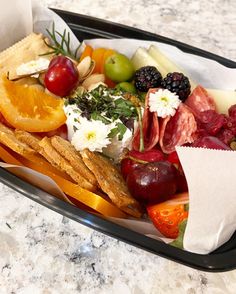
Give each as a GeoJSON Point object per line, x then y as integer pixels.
{"type": "Point", "coordinates": [167, 216]}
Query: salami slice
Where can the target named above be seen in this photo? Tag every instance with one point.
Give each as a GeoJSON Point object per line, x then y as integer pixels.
{"type": "Point", "coordinates": [150, 128]}
{"type": "Point", "coordinates": [200, 101]}
{"type": "Point", "coordinates": [178, 129]}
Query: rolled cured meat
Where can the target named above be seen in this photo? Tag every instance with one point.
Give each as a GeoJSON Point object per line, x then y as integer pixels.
{"type": "Point", "coordinates": [178, 129]}
{"type": "Point", "coordinates": [200, 100]}
{"type": "Point", "coordinates": [150, 127]}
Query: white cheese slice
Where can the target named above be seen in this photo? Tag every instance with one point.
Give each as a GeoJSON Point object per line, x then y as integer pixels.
{"type": "Point", "coordinates": [223, 99]}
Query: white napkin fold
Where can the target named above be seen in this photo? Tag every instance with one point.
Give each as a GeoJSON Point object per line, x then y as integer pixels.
{"type": "Point", "coordinates": [16, 21]}
{"type": "Point", "coordinates": [211, 177]}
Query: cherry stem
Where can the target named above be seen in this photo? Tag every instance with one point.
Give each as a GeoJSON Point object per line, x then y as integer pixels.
{"type": "Point", "coordinates": [137, 159]}
{"type": "Point", "coordinates": [140, 121]}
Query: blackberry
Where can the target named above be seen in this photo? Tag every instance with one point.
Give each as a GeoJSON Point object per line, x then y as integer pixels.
{"type": "Point", "coordinates": [177, 83]}
{"type": "Point", "coordinates": [147, 77]}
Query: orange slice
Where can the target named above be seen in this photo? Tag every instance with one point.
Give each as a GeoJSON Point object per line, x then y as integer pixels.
{"type": "Point", "coordinates": [87, 198]}
{"type": "Point", "coordinates": [97, 56]}
{"type": "Point", "coordinates": [88, 51]}
{"type": "Point", "coordinates": [29, 108]}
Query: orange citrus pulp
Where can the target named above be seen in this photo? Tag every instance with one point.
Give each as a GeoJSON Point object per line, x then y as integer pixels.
{"type": "Point", "coordinates": [29, 108]}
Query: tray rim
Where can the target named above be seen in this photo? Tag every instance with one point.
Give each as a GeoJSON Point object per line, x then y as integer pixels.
{"type": "Point", "coordinates": [212, 262]}
{"type": "Point", "coordinates": [136, 32]}
{"type": "Point", "coordinates": [208, 263]}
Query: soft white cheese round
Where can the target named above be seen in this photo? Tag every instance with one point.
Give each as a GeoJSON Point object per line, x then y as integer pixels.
{"type": "Point", "coordinates": [72, 113]}
{"type": "Point", "coordinates": [114, 149]}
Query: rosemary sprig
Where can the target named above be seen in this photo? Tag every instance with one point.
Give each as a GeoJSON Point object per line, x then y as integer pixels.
{"type": "Point", "coordinates": [62, 47]}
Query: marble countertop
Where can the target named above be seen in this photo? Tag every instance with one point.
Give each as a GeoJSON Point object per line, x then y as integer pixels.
{"type": "Point", "coordinates": [43, 252]}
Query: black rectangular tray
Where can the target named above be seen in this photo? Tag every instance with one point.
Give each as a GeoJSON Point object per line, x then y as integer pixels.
{"type": "Point", "coordinates": [223, 259]}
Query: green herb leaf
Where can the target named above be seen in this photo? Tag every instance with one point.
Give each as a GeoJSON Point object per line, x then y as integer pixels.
{"type": "Point", "coordinates": [62, 47]}
{"type": "Point", "coordinates": [101, 103]}
{"type": "Point", "coordinates": [122, 129]}
{"type": "Point", "coordinates": [178, 242]}
{"type": "Point", "coordinates": [186, 207]}
{"type": "Point", "coordinates": [114, 132]}
{"type": "Point", "coordinates": [97, 116]}
{"type": "Point", "coordinates": [119, 130]}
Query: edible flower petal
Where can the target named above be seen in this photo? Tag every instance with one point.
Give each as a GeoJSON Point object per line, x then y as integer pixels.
{"type": "Point", "coordinates": [163, 102]}
{"type": "Point", "coordinates": [91, 134]}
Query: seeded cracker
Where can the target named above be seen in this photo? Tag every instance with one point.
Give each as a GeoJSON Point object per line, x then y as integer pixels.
{"type": "Point", "coordinates": [57, 160]}
{"type": "Point", "coordinates": [69, 153]}
{"type": "Point", "coordinates": [29, 139]}
{"type": "Point", "coordinates": [8, 138]}
{"type": "Point", "coordinates": [111, 182]}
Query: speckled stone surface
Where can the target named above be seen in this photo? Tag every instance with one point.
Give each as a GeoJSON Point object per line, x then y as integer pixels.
{"type": "Point", "coordinates": [43, 252]}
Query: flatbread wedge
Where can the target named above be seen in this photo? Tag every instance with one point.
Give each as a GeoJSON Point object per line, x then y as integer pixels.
{"type": "Point", "coordinates": [60, 162]}
{"type": "Point", "coordinates": [111, 182]}
{"type": "Point", "coordinates": [69, 153]}
{"type": "Point", "coordinates": [29, 139]}
{"type": "Point", "coordinates": [8, 138]}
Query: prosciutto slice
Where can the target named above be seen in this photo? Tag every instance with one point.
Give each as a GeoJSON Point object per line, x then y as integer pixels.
{"type": "Point", "coordinates": [178, 129]}
{"type": "Point", "coordinates": [150, 128]}
{"type": "Point", "coordinates": [200, 101]}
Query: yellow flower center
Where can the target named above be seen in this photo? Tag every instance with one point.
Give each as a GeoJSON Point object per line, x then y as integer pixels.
{"type": "Point", "coordinates": [165, 100]}
{"type": "Point", "coordinates": [91, 135]}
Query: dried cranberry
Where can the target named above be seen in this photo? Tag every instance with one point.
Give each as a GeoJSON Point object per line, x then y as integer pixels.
{"type": "Point", "coordinates": [206, 116]}
{"type": "Point", "coordinates": [231, 124]}
{"type": "Point", "coordinates": [226, 136]}
{"type": "Point", "coordinates": [211, 121]}
{"type": "Point", "coordinates": [232, 111]}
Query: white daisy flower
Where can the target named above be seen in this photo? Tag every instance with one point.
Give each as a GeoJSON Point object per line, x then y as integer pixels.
{"type": "Point", "coordinates": [163, 102]}
{"type": "Point", "coordinates": [91, 134]}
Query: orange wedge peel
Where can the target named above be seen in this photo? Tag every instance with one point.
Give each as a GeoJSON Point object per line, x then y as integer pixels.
{"type": "Point", "coordinates": [29, 108]}
{"type": "Point", "coordinates": [90, 199]}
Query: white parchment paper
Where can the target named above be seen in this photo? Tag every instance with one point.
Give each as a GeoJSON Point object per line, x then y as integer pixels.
{"type": "Point", "coordinates": [16, 21]}
{"type": "Point", "coordinates": [210, 173]}
{"type": "Point", "coordinates": [211, 180]}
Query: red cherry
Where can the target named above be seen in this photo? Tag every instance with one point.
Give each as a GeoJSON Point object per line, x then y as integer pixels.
{"type": "Point", "coordinates": [135, 158]}
{"type": "Point", "coordinates": [148, 156]}
{"type": "Point", "coordinates": [173, 158]}
{"type": "Point", "coordinates": [62, 76]}
{"type": "Point", "coordinates": [182, 185]}
{"type": "Point", "coordinates": [127, 166]}
{"type": "Point", "coordinates": [153, 182]}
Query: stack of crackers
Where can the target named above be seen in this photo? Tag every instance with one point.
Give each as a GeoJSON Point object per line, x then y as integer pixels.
{"type": "Point", "coordinates": [90, 170]}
